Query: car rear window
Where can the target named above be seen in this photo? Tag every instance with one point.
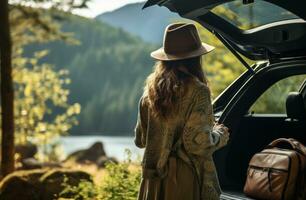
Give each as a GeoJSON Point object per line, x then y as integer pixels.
{"type": "Point", "coordinates": [248, 16]}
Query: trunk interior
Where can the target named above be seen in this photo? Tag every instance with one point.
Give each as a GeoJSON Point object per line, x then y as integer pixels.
{"type": "Point", "coordinates": [254, 133]}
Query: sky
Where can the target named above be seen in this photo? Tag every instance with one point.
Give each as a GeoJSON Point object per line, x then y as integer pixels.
{"type": "Point", "coordinates": [97, 7]}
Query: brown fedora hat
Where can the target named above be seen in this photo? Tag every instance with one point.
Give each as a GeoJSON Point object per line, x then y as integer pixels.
{"type": "Point", "coordinates": [181, 41]}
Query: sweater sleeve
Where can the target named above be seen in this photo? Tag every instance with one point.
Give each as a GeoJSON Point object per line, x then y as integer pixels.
{"type": "Point", "coordinates": [200, 137]}
{"type": "Point", "coordinates": [141, 126]}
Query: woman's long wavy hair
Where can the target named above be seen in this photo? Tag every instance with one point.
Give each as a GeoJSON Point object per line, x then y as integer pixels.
{"type": "Point", "coordinates": [165, 84]}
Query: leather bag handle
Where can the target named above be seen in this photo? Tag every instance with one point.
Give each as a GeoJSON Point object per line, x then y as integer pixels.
{"type": "Point", "coordinates": [295, 145]}
{"type": "Point", "coordinates": [279, 141]}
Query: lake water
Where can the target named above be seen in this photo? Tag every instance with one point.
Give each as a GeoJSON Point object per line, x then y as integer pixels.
{"type": "Point", "coordinates": [114, 146]}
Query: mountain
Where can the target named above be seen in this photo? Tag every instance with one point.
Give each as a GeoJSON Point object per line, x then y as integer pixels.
{"type": "Point", "coordinates": [107, 71]}
{"type": "Point", "coordinates": [149, 24]}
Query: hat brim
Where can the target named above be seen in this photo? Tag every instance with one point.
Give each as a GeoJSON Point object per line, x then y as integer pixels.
{"type": "Point", "coordinates": [160, 54]}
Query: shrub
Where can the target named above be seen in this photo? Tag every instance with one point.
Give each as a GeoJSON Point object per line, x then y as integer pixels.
{"type": "Point", "coordinates": [121, 182]}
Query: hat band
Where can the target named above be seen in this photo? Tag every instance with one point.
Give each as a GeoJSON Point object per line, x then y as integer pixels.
{"type": "Point", "coordinates": [178, 50]}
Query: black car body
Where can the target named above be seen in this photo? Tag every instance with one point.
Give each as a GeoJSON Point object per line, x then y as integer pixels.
{"type": "Point", "coordinates": [278, 46]}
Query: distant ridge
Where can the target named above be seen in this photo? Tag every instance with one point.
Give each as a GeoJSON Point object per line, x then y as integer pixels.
{"type": "Point", "coordinates": [149, 24]}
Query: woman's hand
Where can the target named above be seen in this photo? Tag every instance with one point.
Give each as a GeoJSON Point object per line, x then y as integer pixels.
{"type": "Point", "coordinates": [223, 132]}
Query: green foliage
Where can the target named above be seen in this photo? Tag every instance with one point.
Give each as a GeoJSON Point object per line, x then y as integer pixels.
{"type": "Point", "coordinates": [32, 25]}
{"type": "Point", "coordinates": [67, 5]}
{"type": "Point", "coordinates": [39, 90]}
{"type": "Point", "coordinates": [273, 100]}
{"type": "Point", "coordinates": [85, 190]}
{"type": "Point", "coordinates": [121, 182]}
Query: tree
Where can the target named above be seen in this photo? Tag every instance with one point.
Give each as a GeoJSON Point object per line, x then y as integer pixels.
{"type": "Point", "coordinates": [7, 92]}
{"type": "Point", "coordinates": [39, 91]}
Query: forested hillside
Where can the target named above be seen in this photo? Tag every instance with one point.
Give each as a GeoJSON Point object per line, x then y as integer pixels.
{"type": "Point", "coordinates": [107, 71]}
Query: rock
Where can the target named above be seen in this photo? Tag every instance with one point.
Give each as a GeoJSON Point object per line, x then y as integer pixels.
{"type": "Point", "coordinates": [18, 188]}
{"type": "Point", "coordinates": [26, 151]}
{"type": "Point", "coordinates": [32, 163]}
{"type": "Point", "coordinates": [53, 182]}
{"type": "Point", "coordinates": [39, 184]}
{"type": "Point", "coordinates": [92, 154]}
{"type": "Point", "coordinates": [101, 162]}
{"type": "Point", "coordinates": [21, 185]}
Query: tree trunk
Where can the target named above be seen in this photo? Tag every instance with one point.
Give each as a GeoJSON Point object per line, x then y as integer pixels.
{"type": "Point", "coordinates": [7, 92]}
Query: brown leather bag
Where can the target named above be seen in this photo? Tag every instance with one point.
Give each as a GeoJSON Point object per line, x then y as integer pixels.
{"type": "Point", "coordinates": [278, 173]}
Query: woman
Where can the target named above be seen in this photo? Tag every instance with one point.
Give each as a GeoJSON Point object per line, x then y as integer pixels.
{"type": "Point", "coordinates": [175, 122]}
